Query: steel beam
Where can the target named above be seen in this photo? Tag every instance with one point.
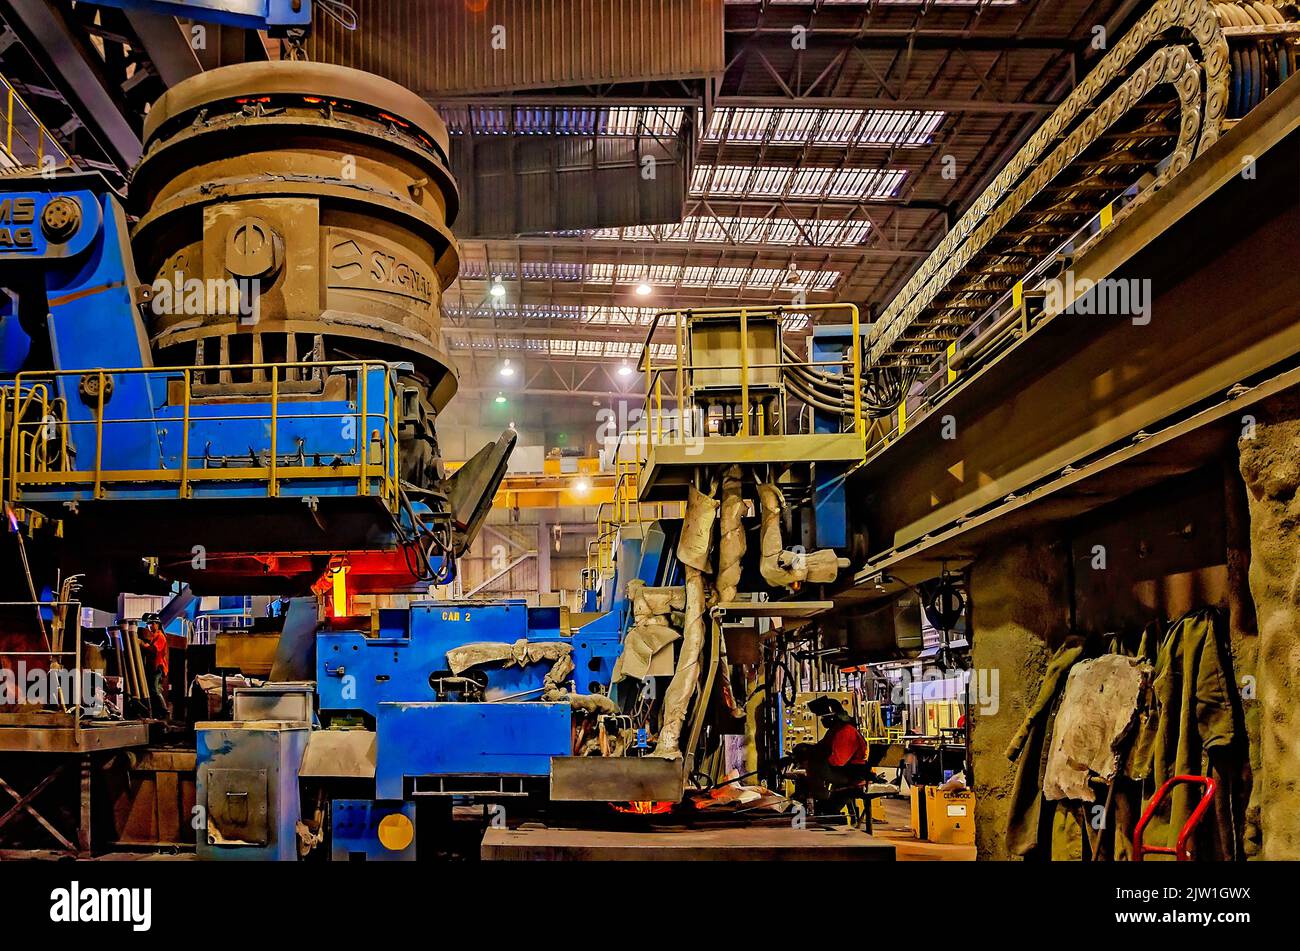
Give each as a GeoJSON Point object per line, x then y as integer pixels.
{"type": "Point", "coordinates": [1081, 393]}
{"type": "Point", "coordinates": [52, 41]}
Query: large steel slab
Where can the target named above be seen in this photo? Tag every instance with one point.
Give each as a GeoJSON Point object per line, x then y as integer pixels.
{"type": "Point", "coordinates": [740, 844]}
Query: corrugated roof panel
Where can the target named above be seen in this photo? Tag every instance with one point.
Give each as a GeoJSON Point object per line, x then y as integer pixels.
{"type": "Point", "coordinates": [811, 182]}
{"type": "Point", "coordinates": [800, 126]}
{"type": "Point", "coordinates": [453, 48]}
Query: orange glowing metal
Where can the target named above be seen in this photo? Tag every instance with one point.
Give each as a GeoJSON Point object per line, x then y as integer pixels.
{"type": "Point", "coordinates": [644, 808]}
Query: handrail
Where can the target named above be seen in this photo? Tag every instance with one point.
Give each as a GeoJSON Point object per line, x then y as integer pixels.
{"type": "Point", "coordinates": [653, 407]}
{"type": "Point", "coordinates": [56, 651]}
{"type": "Point", "coordinates": [34, 155]}
{"type": "Point", "coordinates": [28, 462]}
{"type": "Point", "coordinates": [994, 324]}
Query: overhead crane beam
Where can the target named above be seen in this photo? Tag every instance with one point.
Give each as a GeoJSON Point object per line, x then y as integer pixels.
{"type": "Point", "coordinates": [1083, 410]}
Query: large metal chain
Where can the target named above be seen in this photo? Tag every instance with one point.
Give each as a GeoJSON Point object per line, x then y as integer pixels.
{"type": "Point", "coordinates": [1185, 48]}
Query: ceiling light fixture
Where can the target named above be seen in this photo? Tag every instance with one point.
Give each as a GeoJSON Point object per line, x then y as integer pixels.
{"type": "Point", "coordinates": [507, 369]}
{"type": "Point", "coordinates": [497, 289]}
{"type": "Point", "coordinates": [501, 397]}
{"type": "Point", "coordinates": [625, 369]}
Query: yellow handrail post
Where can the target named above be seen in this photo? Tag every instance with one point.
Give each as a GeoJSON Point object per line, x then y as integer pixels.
{"type": "Point", "coordinates": [659, 410]}
{"type": "Point", "coordinates": [272, 486]}
{"type": "Point", "coordinates": [13, 443]}
{"type": "Point", "coordinates": [744, 371]}
{"type": "Point", "coordinates": [362, 435]}
{"type": "Point", "coordinates": [679, 329]}
{"type": "Point", "coordinates": [858, 422]}
{"type": "Point", "coordinates": [185, 436]}
{"type": "Point", "coordinates": [390, 427]}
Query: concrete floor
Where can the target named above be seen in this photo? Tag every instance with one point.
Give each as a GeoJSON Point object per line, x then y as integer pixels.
{"type": "Point", "coordinates": [897, 829]}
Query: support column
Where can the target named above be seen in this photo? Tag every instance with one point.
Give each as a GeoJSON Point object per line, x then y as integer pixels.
{"type": "Point", "coordinates": [1270, 466]}
{"type": "Point", "coordinates": [544, 544]}
{"type": "Point", "coordinates": [1019, 593]}
{"type": "Point", "coordinates": [83, 827]}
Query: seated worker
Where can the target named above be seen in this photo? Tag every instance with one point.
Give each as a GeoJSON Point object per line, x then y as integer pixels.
{"type": "Point", "coordinates": [837, 762]}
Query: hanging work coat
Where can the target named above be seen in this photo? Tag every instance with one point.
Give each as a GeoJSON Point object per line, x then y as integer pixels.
{"type": "Point", "coordinates": [1028, 750]}
{"type": "Point", "coordinates": [1191, 715]}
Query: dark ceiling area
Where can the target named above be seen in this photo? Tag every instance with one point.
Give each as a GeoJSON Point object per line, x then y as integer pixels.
{"type": "Point", "coordinates": [715, 152]}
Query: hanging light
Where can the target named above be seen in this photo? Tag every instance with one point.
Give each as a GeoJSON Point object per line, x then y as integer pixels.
{"type": "Point", "coordinates": [643, 288]}
{"type": "Point", "coordinates": [501, 398]}
{"type": "Point", "coordinates": [497, 289]}
{"type": "Point", "coordinates": [625, 369]}
{"type": "Point", "coordinates": [582, 486]}
{"type": "Point", "coordinates": [507, 369]}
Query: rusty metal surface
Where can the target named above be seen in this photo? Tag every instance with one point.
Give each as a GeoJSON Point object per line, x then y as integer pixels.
{"type": "Point", "coordinates": [339, 753]}
{"type": "Point", "coordinates": [669, 466]}
{"type": "Point", "coordinates": [616, 779]}
{"type": "Point", "coordinates": [446, 47]}
{"type": "Point", "coordinates": [736, 844]}
{"type": "Point", "coordinates": [302, 78]}
{"type": "Point", "coordinates": [54, 739]}
{"type": "Point", "coordinates": [327, 186]}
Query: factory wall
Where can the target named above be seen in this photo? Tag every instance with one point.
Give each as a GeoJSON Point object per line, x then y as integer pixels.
{"type": "Point", "coordinates": [1020, 614]}
{"type": "Point", "coordinates": [547, 575]}
{"type": "Point", "coordinates": [1270, 466]}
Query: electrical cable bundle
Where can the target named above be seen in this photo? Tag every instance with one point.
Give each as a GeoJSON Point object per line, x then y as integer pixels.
{"type": "Point", "coordinates": [1158, 99]}
{"type": "Point", "coordinates": [425, 543]}
{"type": "Point", "coordinates": [883, 388]}
{"type": "Point", "coordinates": [1259, 63]}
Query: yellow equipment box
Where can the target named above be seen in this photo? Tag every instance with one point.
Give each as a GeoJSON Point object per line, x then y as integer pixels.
{"type": "Point", "coordinates": [947, 817]}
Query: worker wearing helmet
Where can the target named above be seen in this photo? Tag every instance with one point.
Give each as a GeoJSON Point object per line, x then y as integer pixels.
{"type": "Point", "coordinates": [835, 763]}
{"type": "Point", "coordinates": [154, 641]}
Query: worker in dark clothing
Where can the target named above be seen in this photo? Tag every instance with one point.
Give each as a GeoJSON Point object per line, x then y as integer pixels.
{"type": "Point", "coordinates": [837, 763]}
{"type": "Point", "coordinates": [153, 639]}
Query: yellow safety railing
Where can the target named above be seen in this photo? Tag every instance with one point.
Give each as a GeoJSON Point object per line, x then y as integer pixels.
{"type": "Point", "coordinates": [40, 437]}
{"type": "Point", "coordinates": [660, 430]}
{"type": "Point", "coordinates": [27, 143]}
{"type": "Point", "coordinates": [64, 615]}
{"type": "Point", "coordinates": [625, 509]}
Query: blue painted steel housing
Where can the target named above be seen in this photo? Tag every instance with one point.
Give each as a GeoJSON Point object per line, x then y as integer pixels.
{"type": "Point", "coordinates": [354, 830]}
{"type": "Point", "coordinates": [388, 678]}
{"type": "Point", "coordinates": [468, 739]}
{"type": "Point", "coordinates": [355, 673]}
{"type": "Point", "coordinates": [93, 324]}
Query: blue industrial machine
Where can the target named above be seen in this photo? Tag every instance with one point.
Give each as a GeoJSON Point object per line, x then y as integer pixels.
{"type": "Point", "coordinates": [434, 721]}
{"type": "Point", "coordinates": [237, 473]}
{"type": "Point", "coordinates": [369, 831]}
